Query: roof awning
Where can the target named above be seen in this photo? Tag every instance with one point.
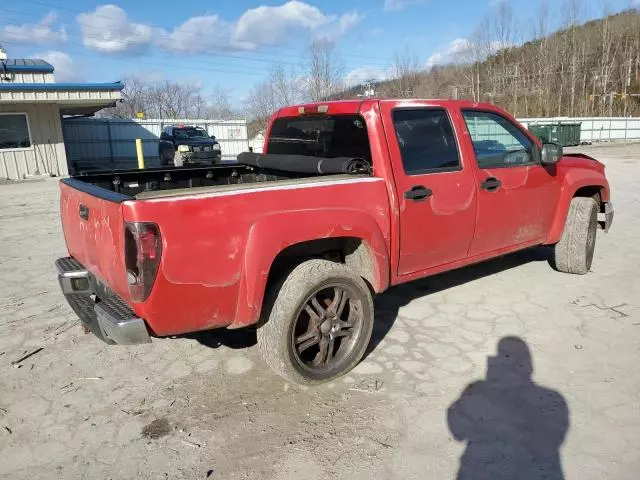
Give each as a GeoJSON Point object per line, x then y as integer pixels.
{"type": "Point", "coordinates": [25, 65]}
{"type": "Point", "coordinates": [73, 98]}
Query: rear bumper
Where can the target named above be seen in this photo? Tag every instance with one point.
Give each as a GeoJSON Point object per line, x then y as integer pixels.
{"type": "Point", "coordinates": [109, 318]}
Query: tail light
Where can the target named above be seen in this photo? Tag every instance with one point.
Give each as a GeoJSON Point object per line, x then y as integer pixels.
{"type": "Point", "coordinates": [142, 251]}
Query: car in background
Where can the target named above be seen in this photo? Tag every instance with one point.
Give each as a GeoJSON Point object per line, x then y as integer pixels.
{"type": "Point", "coordinates": [188, 145]}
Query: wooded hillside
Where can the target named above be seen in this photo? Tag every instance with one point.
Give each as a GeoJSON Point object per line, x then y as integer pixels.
{"type": "Point", "coordinates": [591, 69]}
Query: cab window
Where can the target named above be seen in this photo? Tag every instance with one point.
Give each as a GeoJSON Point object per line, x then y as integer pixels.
{"type": "Point", "coordinates": [327, 136]}
{"type": "Point", "coordinates": [496, 141]}
{"type": "Point", "coordinates": [427, 141]}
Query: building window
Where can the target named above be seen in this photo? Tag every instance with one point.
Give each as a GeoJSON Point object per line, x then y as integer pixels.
{"type": "Point", "coordinates": [14, 131]}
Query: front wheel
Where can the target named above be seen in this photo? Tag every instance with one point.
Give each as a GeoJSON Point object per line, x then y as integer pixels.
{"type": "Point", "coordinates": [574, 252]}
{"type": "Point", "coordinates": [319, 323]}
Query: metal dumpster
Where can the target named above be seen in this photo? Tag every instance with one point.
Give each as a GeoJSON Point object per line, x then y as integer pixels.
{"type": "Point", "coordinates": [565, 134]}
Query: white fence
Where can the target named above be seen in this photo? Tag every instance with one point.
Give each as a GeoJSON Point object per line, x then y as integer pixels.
{"type": "Point", "coordinates": [596, 129]}
{"type": "Point", "coordinates": [97, 143]}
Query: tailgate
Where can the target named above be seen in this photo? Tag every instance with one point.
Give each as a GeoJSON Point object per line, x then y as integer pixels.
{"type": "Point", "coordinates": [93, 231]}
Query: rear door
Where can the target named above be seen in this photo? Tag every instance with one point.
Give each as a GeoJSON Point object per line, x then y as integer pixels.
{"type": "Point", "coordinates": [517, 195]}
{"type": "Point", "coordinates": [436, 189]}
{"type": "Point", "coordinates": [94, 231]}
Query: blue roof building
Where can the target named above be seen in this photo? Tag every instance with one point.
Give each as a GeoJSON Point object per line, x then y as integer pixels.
{"type": "Point", "coordinates": [32, 104]}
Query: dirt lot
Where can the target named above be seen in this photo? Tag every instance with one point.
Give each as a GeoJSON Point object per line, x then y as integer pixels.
{"type": "Point", "coordinates": [207, 407]}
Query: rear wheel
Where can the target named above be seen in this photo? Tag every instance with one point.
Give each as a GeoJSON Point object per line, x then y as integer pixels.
{"type": "Point", "coordinates": [574, 252]}
{"type": "Point", "coordinates": [319, 323]}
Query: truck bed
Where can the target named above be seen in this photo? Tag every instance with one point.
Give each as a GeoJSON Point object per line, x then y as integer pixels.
{"type": "Point", "coordinates": [130, 184]}
{"type": "Point", "coordinates": [218, 239]}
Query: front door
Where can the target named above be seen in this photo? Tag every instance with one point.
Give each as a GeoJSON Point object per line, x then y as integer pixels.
{"type": "Point", "coordinates": [435, 186]}
{"type": "Point", "coordinates": [517, 195]}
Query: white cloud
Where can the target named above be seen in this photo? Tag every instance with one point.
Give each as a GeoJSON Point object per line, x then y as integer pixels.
{"type": "Point", "coordinates": [109, 30]}
{"type": "Point", "coordinates": [197, 35]}
{"type": "Point", "coordinates": [66, 69]}
{"type": "Point", "coordinates": [273, 25]}
{"type": "Point", "coordinates": [391, 5]}
{"type": "Point", "coordinates": [39, 33]}
{"type": "Point", "coordinates": [376, 32]}
{"type": "Point", "coordinates": [363, 74]}
{"type": "Point", "coordinates": [348, 21]}
{"type": "Point", "coordinates": [456, 51]}
{"type": "Point", "coordinates": [336, 28]}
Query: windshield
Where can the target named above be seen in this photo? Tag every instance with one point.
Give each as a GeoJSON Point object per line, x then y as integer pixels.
{"type": "Point", "coordinates": [326, 136]}
{"type": "Point", "coordinates": [190, 133]}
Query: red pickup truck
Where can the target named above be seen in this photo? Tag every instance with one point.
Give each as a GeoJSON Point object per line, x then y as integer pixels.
{"type": "Point", "coordinates": [348, 199]}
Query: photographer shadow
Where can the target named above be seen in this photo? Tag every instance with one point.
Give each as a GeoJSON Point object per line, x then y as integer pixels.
{"type": "Point", "coordinates": [513, 427]}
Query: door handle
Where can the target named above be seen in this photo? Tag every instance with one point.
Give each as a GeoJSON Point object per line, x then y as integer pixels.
{"type": "Point", "coordinates": [491, 184]}
{"type": "Point", "coordinates": [418, 193]}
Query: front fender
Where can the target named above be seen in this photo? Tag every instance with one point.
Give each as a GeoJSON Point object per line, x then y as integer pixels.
{"type": "Point", "coordinates": [574, 180]}
{"type": "Point", "coordinates": [272, 234]}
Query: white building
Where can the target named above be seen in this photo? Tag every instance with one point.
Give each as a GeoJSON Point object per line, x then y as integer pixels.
{"type": "Point", "coordinates": [257, 142]}
{"type": "Point", "coordinates": [31, 108]}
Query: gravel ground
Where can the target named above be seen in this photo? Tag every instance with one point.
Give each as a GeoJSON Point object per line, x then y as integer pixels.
{"type": "Point", "coordinates": [508, 361]}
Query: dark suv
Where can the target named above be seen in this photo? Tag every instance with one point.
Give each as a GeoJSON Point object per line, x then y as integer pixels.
{"type": "Point", "coordinates": [182, 145]}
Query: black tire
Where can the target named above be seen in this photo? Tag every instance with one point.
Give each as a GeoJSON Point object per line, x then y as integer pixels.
{"type": "Point", "coordinates": [288, 322]}
{"type": "Point", "coordinates": [574, 252]}
{"type": "Point", "coordinates": [164, 161]}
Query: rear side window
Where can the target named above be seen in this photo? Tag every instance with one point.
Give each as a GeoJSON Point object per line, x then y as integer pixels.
{"type": "Point", "coordinates": [427, 141]}
{"type": "Point", "coordinates": [327, 136]}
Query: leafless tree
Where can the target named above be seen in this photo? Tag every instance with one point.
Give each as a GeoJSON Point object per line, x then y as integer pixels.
{"type": "Point", "coordinates": [580, 69]}
{"type": "Point", "coordinates": [325, 71]}
{"type": "Point", "coordinates": [405, 72]}
{"type": "Point", "coordinates": [170, 100]}
{"type": "Point", "coordinates": [280, 88]}
{"type": "Point", "coordinates": [219, 106]}
{"type": "Point", "coordinates": [134, 98]}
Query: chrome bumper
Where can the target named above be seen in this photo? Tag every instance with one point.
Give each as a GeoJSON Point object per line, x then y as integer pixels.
{"type": "Point", "coordinates": [110, 318]}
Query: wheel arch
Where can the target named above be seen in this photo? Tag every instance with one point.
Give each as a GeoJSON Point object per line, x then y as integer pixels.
{"type": "Point", "coordinates": [277, 244]}
{"type": "Point", "coordinates": [595, 186]}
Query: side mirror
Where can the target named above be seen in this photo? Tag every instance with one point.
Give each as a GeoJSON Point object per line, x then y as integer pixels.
{"type": "Point", "coordinates": [551, 153]}
{"type": "Point", "coordinates": [213, 137]}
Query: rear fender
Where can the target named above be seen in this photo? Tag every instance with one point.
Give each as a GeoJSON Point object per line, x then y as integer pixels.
{"type": "Point", "coordinates": [272, 234]}
{"type": "Point", "coordinates": [574, 181]}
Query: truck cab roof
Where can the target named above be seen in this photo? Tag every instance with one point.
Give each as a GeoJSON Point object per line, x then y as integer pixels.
{"type": "Point", "coordinates": [346, 107]}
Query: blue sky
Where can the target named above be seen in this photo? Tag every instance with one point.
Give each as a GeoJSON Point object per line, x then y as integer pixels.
{"type": "Point", "coordinates": [233, 44]}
